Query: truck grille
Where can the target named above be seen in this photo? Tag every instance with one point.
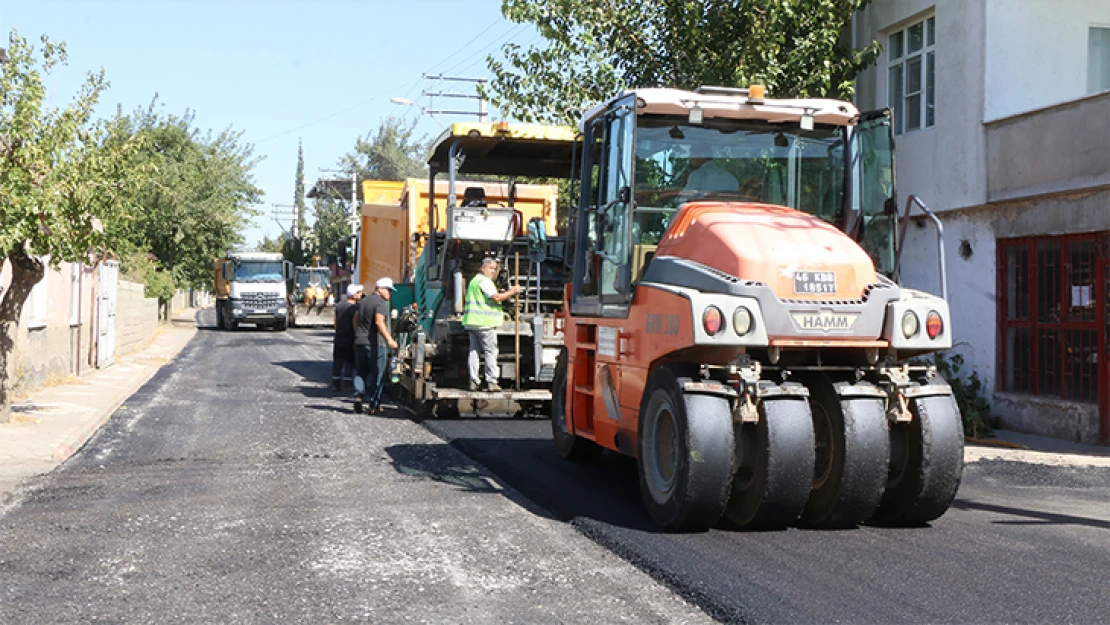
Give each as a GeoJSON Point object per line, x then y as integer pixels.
{"type": "Point", "coordinates": [261, 300]}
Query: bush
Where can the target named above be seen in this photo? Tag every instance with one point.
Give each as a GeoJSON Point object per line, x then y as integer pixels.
{"type": "Point", "coordinates": [968, 392]}
{"type": "Point", "coordinates": [141, 267]}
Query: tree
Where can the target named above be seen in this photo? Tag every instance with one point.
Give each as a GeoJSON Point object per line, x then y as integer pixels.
{"type": "Point", "coordinates": [594, 48]}
{"type": "Point", "coordinates": [392, 153]}
{"type": "Point", "coordinates": [195, 207]}
{"type": "Point", "coordinates": [331, 224]}
{"type": "Point", "coordinates": [62, 175]}
{"type": "Point", "coordinates": [298, 192]}
{"type": "Point", "coordinates": [272, 245]}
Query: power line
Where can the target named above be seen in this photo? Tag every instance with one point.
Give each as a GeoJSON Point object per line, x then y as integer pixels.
{"type": "Point", "coordinates": [467, 44]}
{"type": "Point", "coordinates": [332, 115]}
{"type": "Point", "coordinates": [509, 35]}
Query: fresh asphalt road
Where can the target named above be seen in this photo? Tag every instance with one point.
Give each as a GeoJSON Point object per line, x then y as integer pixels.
{"type": "Point", "coordinates": [1023, 543]}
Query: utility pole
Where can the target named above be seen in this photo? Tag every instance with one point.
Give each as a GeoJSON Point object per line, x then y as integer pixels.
{"type": "Point", "coordinates": [481, 101]}
{"type": "Point", "coordinates": [296, 217]}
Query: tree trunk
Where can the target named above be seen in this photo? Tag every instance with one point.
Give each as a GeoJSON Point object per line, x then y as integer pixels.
{"type": "Point", "coordinates": [27, 271]}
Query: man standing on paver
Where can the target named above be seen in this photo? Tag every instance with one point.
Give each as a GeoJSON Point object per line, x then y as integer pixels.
{"type": "Point", "coordinates": [482, 315]}
{"type": "Point", "coordinates": [343, 345]}
{"type": "Point", "coordinates": [372, 344]}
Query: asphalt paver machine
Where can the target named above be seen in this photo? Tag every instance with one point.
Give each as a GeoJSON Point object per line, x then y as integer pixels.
{"type": "Point", "coordinates": [432, 362]}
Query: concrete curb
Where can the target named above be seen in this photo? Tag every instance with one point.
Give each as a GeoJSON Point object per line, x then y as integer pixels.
{"type": "Point", "coordinates": [75, 441]}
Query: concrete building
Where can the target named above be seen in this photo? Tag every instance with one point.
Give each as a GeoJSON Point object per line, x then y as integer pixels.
{"type": "Point", "coordinates": [1002, 111]}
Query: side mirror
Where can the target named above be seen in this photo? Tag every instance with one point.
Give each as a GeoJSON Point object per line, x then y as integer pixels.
{"type": "Point", "coordinates": [287, 268]}
{"type": "Point", "coordinates": [227, 272]}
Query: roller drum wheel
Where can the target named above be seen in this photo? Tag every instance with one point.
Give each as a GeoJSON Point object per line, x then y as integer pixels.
{"type": "Point", "coordinates": [685, 444]}
{"type": "Point", "coordinates": [927, 463]}
{"type": "Point", "coordinates": [852, 456]}
{"type": "Point", "coordinates": [774, 466]}
{"type": "Point", "coordinates": [568, 445]}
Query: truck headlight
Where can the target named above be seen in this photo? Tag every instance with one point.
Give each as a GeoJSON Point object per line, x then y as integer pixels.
{"type": "Point", "coordinates": [910, 324]}
{"type": "Point", "coordinates": [742, 321]}
{"type": "Point", "coordinates": [282, 311]}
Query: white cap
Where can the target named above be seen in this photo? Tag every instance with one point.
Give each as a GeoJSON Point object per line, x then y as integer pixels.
{"type": "Point", "coordinates": [384, 283]}
{"type": "Point", "coordinates": [353, 290]}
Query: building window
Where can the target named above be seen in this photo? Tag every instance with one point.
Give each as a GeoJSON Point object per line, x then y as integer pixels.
{"type": "Point", "coordinates": [1098, 60]}
{"type": "Point", "coordinates": [911, 75]}
{"type": "Point", "coordinates": [75, 294]}
{"type": "Point", "coordinates": [36, 304]}
{"type": "Point", "coordinates": [1049, 315]}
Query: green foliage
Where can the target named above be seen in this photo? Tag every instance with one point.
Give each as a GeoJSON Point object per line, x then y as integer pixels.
{"type": "Point", "coordinates": [272, 245]}
{"type": "Point", "coordinates": [390, 153]}
{"type": "Point", "coordinates": [63, 174]}
{"type": "Point", "coordinates": [144, 268]}
{"type": "Point", "coordinates": [298, 192]}
{"type": "Point", "coordinates": [593, 49]}
{"type": "Point", "coordinates": [968, 391]}
{"type": "Point", "coordinates": [331, 224]}
{"type": "Point", "coordinates": [199, 199]}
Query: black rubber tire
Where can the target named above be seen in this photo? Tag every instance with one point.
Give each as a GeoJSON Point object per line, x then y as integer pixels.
{"type": "Point", "coordinates": [567, 445]}
{"type": "Point", "coordinates": [685, 453]}
{"type": "Point", "coordinates": [852, 458]}
{"type": "Point", "coordinates": [220, 325]}
{"type": "Point", "coordinates": [280, 326]}
{"type": "Point", "coordinates": [927, 463]}
{"type": "Point", "coordinates": [774, 466]}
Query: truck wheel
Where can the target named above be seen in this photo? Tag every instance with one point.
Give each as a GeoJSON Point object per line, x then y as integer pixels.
{"type": "Point", "coordinates": [685, 444]}
{"type": "Point", "coordinates": [220, 325]}
{"type": "Point", "coordinates": [852, 456]}
{"type": "Point", "coordinates": [281, 326]}
{"type": "Point", "coordinates": [926, 464]}
{"type": "Point", "coordinates": [774, 470]}
{"type": "Point", "coordinates": [569, 446]}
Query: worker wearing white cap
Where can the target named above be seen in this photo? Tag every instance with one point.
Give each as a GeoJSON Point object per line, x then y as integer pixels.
{"type": "Point", "coordinates": [372, 344]}
{"type": "Point", "coordinates": [343, 345]}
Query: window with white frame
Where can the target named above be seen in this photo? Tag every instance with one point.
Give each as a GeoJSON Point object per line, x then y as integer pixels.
{"type": "Point", "coordinates": [75, 294]}
{"type": "Point", "coordinates": [36, 304]}
{"type": "Point", "coordinates": [911, 75]}
{"type": "Point", "coordinates": [1098, 59]}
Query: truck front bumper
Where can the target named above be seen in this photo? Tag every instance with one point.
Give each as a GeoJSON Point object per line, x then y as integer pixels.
{"type": "Point", "coordinates": [258, 314]}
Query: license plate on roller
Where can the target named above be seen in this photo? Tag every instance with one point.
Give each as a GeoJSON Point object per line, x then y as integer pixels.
{"type": "Point", "coordinates": [814, 282]}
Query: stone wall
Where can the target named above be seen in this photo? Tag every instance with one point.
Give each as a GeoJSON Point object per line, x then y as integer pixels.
{"type": "Point", "coordinates": [136, 318]}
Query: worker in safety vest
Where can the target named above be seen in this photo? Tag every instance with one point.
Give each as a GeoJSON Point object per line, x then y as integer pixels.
{"type": "Point", "coordinates": [482, 315]}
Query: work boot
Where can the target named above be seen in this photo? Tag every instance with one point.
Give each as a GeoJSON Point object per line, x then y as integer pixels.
{"type": "Point", "coordinates": [358, 405]}
{"type": "Point", "coordinates": [473, 388]}
{"type": "Point", "coordinates": [493, 387]}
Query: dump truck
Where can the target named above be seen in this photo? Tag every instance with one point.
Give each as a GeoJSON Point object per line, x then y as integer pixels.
{"type": "Point", "coordinates": [734, 320]}
{"type": "Point", "coordinates": [312, 302]}
{"type": "Point", "coordinates": [511, 222]}
{"type": "Point", "coordinates": [250, 288]}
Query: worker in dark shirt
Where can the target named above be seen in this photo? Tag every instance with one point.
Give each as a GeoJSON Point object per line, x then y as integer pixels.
{"type": "Point", "coordinates": [343, 345]}
{"type": "Point", "coordinates": [372, 344]}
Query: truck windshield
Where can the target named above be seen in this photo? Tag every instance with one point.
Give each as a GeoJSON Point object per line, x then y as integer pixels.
{"type": "Point", "coordinates": [315, 278]}
{"type": "Point", "coordinates": [258, 271]}
{"type": "Point", "coordinates": [735, 160]}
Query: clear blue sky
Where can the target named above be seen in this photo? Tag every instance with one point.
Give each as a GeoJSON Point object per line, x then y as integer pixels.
{"type": "Point", "coordinates": [320, 71]}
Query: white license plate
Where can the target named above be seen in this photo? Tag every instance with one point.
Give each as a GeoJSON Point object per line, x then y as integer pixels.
{"type": "Point", "coordinates": [260, 312]}
{"type": "Point", "coordinates": [814, 282]}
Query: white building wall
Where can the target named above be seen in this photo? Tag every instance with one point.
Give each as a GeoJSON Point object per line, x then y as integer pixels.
{"type": "Point", "coordinates": [942, 164]}
{"type": "Point", "coordinates": [1036, 52]}
{"type": "Point", "coordinates": [972, 282]}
